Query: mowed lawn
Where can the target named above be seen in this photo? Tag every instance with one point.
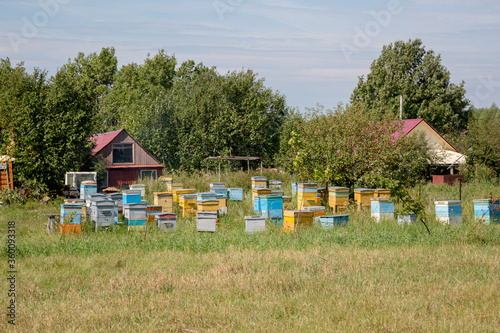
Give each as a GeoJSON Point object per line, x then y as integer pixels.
{"type": "Point", "coordinates": [365, 277]}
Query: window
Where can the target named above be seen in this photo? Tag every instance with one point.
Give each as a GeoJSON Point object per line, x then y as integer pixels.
{"type": "Point", "coordinates": [123, 153]}
{"type": "Point", "coordinates": [148, 174]}
{"type": "Point", "coordinates": [102, 180]}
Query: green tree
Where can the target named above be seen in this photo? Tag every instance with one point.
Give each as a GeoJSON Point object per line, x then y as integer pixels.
{"type": "Point", "coordinates": [346, 146]}
{"type": "Point", "coordinates": [408, 69]}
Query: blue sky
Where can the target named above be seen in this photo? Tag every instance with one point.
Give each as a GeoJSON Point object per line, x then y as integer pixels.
{"type": "Point", "coordinates": [310, 51]}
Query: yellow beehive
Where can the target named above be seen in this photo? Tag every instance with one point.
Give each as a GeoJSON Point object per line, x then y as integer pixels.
{"type": "Point", "coordinates": [174, 186]}
{"type": "Point", "coordinates": [163, 199]}
{"type": "Point", "coordinates": [208, 205]}
{"type": "Point", "coordinates": [188, 204]}
{"type": "Point", "coordinates": [297, 219]}
{"type": "Point", "coordinates": [177, 192]}
{"type": "Point", "coordinates": [338, 198]}
{"type": "Point", "coordinates": [363, 196]}
{"type": "Point", "coordinates": [256, 192]}
{"type": "Point", "coordinates": [381, 192]}
{"type": "Point", "coordinates": [165, 178]}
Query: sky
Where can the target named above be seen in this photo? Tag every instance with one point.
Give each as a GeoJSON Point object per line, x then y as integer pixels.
{"type": "Point", "coordinates": [310, 51]}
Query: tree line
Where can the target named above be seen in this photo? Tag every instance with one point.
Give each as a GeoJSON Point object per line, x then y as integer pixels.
{"type": "Point", "coordinates": [183, 113]}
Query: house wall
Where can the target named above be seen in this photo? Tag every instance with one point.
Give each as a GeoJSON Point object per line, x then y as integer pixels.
{"type": "Point", "coordinates": [127, 176]}
{"type": "Point", "coordinates": [434, 140]}
{"type": "Point", "coordinates": [141, 157]}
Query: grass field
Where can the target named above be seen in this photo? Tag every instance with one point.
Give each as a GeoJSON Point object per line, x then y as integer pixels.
{"type": "Point", "coordinates": [366, 276]}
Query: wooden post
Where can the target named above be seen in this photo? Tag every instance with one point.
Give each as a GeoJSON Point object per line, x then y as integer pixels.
{"type": "Point", "coordinates": [219, 169]}
{"type": "Point", "coordinates": [248, 166]}
{"type": "Point", "coordinates": [261, 166]}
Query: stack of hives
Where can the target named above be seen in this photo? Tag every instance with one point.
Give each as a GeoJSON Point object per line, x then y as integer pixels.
{"type": "Point", "coordinates": [208, 208]}
{"type": "Point", "coordinates": [163, 199]}
{"type": "Point", "coordinates": [188, 205]}
{"type": "Point", "coordinates": [71, 218]}
{"type": "Point", "coordinates": [102, 213]}
{"type": "Point", "coordinates": [177, 192]}
{"type": "Point", "coordinates": [307, 195]}
{"type": "Point", "coordinates": [135, 216]}
{"type": "Point", "coordinates": [256, 193]}
{"type": "Point", "coordinates": [221, 191]}
{"type": "Point", "coordinates": [271, 207]}
{"type": "Point", "coordinates": [297, 219]}
{"type": "Point", "coordinates": [91, 198]}
{"type": "Point", "coordinates": [487, 210]}
{"type": "Point", "coordinates": [338, 198]}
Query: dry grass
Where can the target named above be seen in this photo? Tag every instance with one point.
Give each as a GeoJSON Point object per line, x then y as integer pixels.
{"type": "Point", "coordinates": [416, 289]}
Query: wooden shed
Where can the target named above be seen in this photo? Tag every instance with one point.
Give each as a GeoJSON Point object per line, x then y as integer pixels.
{"type": "Point", "coordinates": [125, 160]}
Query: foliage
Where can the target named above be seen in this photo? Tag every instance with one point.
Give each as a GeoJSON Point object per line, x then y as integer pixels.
{"type": "Point", "coordinates": [35, 189]}
{"type": "Point", "coordinates": [345, 145]}
{"type": "Point", "coordinates": [408, 69]}
{"type": "Point", "coordinates": [11, 197]}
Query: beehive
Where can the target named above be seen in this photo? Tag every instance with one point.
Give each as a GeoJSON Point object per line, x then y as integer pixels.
{"type": "Point", "coordinates": [317, 211]}
{"type": "Point", "coordinates": [75, 210]}
{"type": "Point", "coordinates": [307, 195]}
{"type": "Point", "coordinates": [188, 204]}
{"type": "Point", "coordinates": [338, 198]}
{"type": "Point", "coordinates": [271, 206]}
{"type": "Point", "coordinates": [152, 211]}
{"type": "Point", "coordinates": [407, 218]}
{"type": "Point", "coordinates": [487, 210]}
{"type": "Point", "coordinates": [6, 175]}
{"type": "Point", "coordinates": [259, 182]}
{"type": "Point", "coordinates": [118, 200]}
{"type": "Point", "coordinates": [209, 205]}
{"type": "Point", "coordinates": [258, 192]}
{"type": "Point", "coordinates": [362, 197]}
{"type": "Point", "coordinates": [177, 192]}
{"type": "Point", "coordinates": [329, 221]}
{"type": "Point", "coordinates": [206, 221]}
{"type": "Point", "coordinates": [449, 211]}
{"type": "Point", "coordinates": [381, 192]}
{"type": "Point", "coordinates": [131, 197]}
{"type": "Point", "coordinates": [382, 208]}
{"type": "Point", "coordinates": [174, 186]}
{"type": "Point", "coordinates": [256, 205]}
{"type": "Point", "coordinates": [274, 184]}
{"type": "Point", "coordinates": [103, 213]}
{"type": "Point", "coordinates": [163, 199]}
{"type": "Point", "coordinates": [139, 187]}
{"type": "Point", "coordinates": [235, 194]}
{"type": "Point", "coordinates": [166, 221]}
{"type": "Point", "coordinates": [87, 187]}
{"type": "Point", "coordinates": [206, 196]}
{"type": "Point", "coordinates": [255, 224]}
{"type": "Point", "coordinates": [296, 219]}
{"type": "Point", "coordinates": [165, 178]}
{"type": "Point", "coordinates": [135, 215]}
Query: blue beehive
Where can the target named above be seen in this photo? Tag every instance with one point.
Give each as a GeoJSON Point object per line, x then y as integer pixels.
{"type": "Point", "coordinates": [206, 196]}
{"type": "Point", "coordinates": [329, 221]}
{"type": "Point", "coordinates": [271, 206]}
{"type": "Point", "coordinates": [256, 205]}
{"type": "Point", "coordinates": [449, 211]}
{"type": "Point", "coordinates": [382, 208]}
{"type": "Point", "coordinates": [87, 187]}
{"type": "Point", "coordinates": [487, 210]}
{"type": "Point", "coordinates": [135, 214]}
{"type": "Point", "coordinates": [68, 208]}
{"type": "Point", "coordinates": [235, 194]}
{"type": "Point", "coordinates": [131, 197]}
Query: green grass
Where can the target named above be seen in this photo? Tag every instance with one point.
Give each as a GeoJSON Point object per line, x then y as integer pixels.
{"type": "Point", "coordinates": [365, 276]}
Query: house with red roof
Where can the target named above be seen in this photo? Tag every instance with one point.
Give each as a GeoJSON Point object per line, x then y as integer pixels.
{"type": "Point", "coordinates": [443, 153]}
{"type": "Point", "coordinates": [125, 160]}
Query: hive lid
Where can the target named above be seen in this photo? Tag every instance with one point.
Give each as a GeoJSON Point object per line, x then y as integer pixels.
{"type": "Point", "coordinates": [89, 183]}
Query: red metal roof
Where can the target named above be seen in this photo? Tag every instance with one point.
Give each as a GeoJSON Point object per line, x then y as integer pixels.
{"type": "Point", "coordinates": [103, 139]}
{"type": "Point", "coordinates": [410, 124]}
{"type": "Point", "coordinates": [134, 166]}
